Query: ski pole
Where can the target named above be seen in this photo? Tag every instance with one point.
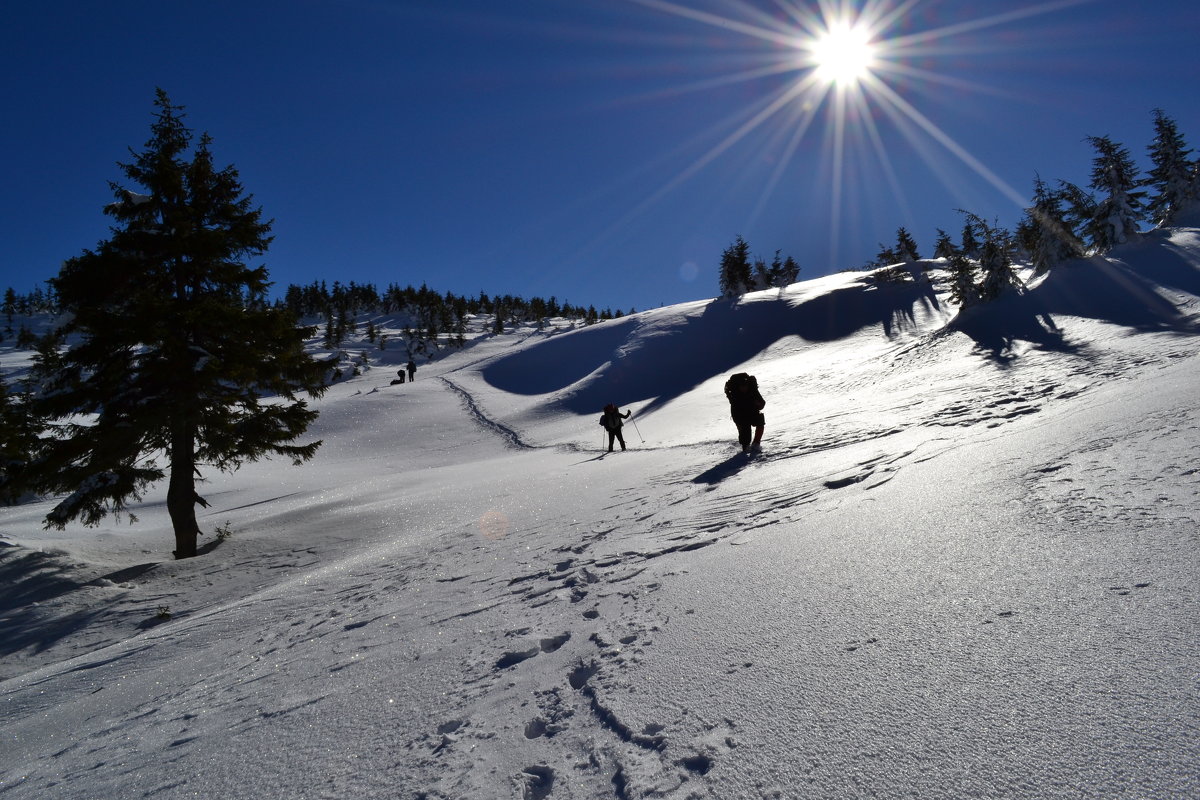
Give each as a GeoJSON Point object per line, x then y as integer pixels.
{"type": "Point", "coordinates": [636, 428]}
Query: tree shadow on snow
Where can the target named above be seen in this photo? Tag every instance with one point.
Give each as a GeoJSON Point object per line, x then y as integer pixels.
{"type": "Point", "coordinates": [1104, 289]}
{"type": "Point", "coordinates": [29, 580]}
{"type": "Point", "coordinates": [996, 327]}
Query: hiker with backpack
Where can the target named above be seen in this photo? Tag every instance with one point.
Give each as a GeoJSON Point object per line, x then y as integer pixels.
{"type": "Point", "coordinates": [611, 420]}
{"type": "Point", "coordinates": [745, 406]}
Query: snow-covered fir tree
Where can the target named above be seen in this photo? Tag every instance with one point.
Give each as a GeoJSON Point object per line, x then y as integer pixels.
{"type": "Point", "coordinates": [906, 246]}
{"type": "Point", "coordinates": [781, 272]}
{"type": "Point", "coordinates": [173, 347]}
{"type": "Point", "coordinates": [1120, 206]}
{"type": "Point", "coordinates": [1173, 176]}
{"type": "Point", "coordinates": [1050, 238]}
{"type": "Point", "coordinates": [964, 290]}
{"type": "Point", "coordinates": [886, 256]}
{"type": "Point", "coordinates": [944, 247]}
{"type": "Point", "coordinates": [996, 272]}
{"type": "Point", "coordinates": [1079, 209]}
{"type": "Point", "coordinates": [762, 274]}
{"type": "Point", "coordinates": [785, 274]}
{"type": "Point", "coordinates": [735, 277]}
{"type": "Point", "coordinates": [968, 244]}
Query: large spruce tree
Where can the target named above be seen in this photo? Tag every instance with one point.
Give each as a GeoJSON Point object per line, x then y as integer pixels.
{"type": "Point", "coordinates": [172, 354]}
{"type": "Point", "coordinates": [1172, 176]}
{"type": "Point", "coordinates": [1120, 207]}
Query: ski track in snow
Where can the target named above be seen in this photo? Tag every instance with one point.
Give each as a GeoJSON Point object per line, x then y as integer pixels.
{"type": "Point", "coordinates": [476, 413]}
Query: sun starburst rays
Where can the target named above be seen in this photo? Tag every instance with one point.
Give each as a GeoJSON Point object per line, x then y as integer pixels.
{"type": "Point", "coordinates": [845, 61]}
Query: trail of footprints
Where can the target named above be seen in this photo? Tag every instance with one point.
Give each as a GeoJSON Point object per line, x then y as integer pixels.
{"type": "Point", "coordinates": [627, 754]}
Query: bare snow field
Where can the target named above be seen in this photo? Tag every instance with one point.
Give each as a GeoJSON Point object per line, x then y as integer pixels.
{"type": "Point", "coordinates": [964, 565]}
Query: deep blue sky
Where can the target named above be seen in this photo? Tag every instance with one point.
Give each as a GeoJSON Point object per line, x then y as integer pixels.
{"type": "Point", "coordinates": [585, 149]}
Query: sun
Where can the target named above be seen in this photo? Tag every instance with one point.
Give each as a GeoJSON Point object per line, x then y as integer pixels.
{"type": "Point", "coordinates": [843, 55]}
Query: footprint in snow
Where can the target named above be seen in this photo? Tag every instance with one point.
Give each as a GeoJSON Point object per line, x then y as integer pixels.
{"type": "Point", "coordinates": [538, 781]}
{"type": "Point", "coordinates": [1124, 590]}
{"type": "Point", "coordinates": [547, 645]}
{"type": "Point", "coordinates": [854, 644]}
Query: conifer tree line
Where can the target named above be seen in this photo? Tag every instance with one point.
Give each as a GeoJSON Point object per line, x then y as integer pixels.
{"type": "Point", "coordinates": [739, 274]}
{"type": "Point", "coordinates": [39, 301]}
{"type": "Point", "coordinates": [436, 315]}
{"type": "Point", "coordinates": [1063, 222]}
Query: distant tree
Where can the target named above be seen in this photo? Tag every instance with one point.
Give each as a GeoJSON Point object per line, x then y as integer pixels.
{"type": "Point", "coordinates": [1079, 209]}
{"type": "Point", "coordinates": [331, 332]}
{"type": "Point", "coordinates": [1024, 237]}
{"type": "Point", "coordinates": [762, 275]}
{"type": "Point", "coordinates": [19, 431]}
{"type": "Point", "coordinates": [995, 259]}
{"type": "Point", "coordinates": [964, 289]}
{"type": "Point", "coordinates": [1050, 238]}
{"type": "Point", "coordinates": [175, 352]}
{"type": "Point", "coordinates": [735, 277]}
{"type": "Point", "coordinates": [968, 244]}
{"type": "Point", "coordinates": [781, 272]}
{"type": "Point", "coordinates": [1173, 174]}
{"type": "Point", "coordinates": [944, 247]}
{"type": "Point", "coordinates": [1120, 206]}
{"type": "Point", "coordinates": [906, 246]}
{"type": "Point", "coordinates": [789, 273]}
{"type": "Point", "coordinates": [886, 256]}
{"type": "Point", "coordinates": [10, 307]}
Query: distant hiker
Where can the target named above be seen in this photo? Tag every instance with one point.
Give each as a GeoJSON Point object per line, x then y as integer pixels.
{"type": "Point", "coordinates": [412, 370]}
{"type": "Point", "coordinates": [611, 420]}
{"type": "Point", "coordinates": [745, 406]}
{"type": "Point", "coordinates": [399, 372]}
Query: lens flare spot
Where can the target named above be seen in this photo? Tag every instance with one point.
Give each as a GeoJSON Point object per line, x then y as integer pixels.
{"type": "Point", "coordinates": [494, 525]}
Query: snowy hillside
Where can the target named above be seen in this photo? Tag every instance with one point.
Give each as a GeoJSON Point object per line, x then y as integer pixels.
{"type": "Point", "coordinates": [965, 564]}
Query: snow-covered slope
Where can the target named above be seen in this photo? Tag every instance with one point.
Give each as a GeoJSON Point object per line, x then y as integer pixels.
{"type": "Point", "coordinates": [963, 565]}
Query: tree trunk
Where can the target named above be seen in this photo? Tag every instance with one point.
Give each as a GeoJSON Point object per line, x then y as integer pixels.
{"type": "Point", "coordinates": [181, 492]}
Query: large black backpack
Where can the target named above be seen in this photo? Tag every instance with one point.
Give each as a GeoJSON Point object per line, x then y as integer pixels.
{"type": "Point", "coordinates": [607, 409]}
{"type": "Point", "coordinates": [738, 379]}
